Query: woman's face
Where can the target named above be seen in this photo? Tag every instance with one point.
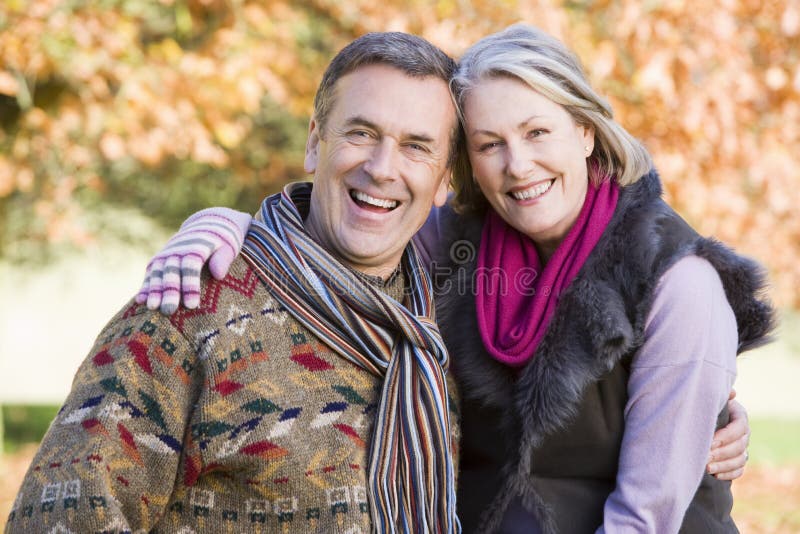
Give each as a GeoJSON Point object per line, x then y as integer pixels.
{"type": "Point", "coordinates": [529, 158]}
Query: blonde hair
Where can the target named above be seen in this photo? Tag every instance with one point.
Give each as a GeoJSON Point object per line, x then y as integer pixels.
{"type": "Point", "coordinates": [545, 64]}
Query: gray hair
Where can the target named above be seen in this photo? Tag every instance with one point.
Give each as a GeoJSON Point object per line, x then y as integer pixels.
{"type": "Point", "coordinates": [545, 64]}
{"type": "Point", "coordinates": [412, 55]}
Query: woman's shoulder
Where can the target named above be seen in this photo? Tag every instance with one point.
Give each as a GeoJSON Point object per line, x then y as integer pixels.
{"type": "Point", "coordinates": [691, 319]}
{"type": "Point", "coordinates": [689, 274]}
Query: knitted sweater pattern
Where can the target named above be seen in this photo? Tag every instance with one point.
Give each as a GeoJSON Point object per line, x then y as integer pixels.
{"type": "Point", "coordinates": [232, 417]}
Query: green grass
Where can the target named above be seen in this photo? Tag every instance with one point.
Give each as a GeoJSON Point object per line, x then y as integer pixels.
{"type": "Point", "coordinates": [25, 423]}
{"type": "Point", "coordinates": [774, 441]}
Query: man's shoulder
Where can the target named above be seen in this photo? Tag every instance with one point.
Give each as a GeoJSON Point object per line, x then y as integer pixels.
{"type": "Point", "coordinates": [239, 295]}
{"type": "Point", "coordinates": [238, 288]}
{"type": "Point", "coordinates": [241, 280]}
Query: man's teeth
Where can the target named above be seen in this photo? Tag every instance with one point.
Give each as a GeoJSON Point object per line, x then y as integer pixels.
{"type": "Point", "coordinates": [379, 202]}
{"type": "Point", "coordinates": [532, 192]}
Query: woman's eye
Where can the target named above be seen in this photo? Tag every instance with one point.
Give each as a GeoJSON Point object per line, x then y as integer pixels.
{"type": "Point", "coordinates": [537, 132]}
{"type": "Point", "coordinates": [488, 146]}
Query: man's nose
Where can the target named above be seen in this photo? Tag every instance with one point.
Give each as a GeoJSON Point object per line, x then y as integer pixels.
{"type": "Point", "coordinates": [382, 163]}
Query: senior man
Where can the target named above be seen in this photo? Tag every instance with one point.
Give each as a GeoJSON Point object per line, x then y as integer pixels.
{"type": "Point", "coordinates": [306, 392]}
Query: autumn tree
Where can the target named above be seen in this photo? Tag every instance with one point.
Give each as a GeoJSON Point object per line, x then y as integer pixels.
{"type": "Point", "coordinates": [174, 105]}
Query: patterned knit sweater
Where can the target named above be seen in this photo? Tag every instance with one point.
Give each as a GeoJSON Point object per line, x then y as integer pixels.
{"type": "Point", "coordinates": [231, 417]}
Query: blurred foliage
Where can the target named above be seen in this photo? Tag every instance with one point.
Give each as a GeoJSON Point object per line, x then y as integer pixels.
{"type": "Point", "coordinates": [174, 105]}
{"type": "Point", "coordinates": [25, 423]}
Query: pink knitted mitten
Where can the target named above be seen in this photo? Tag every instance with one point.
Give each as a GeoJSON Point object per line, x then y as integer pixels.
{"type": "Point", "coordinates": [212, 235]}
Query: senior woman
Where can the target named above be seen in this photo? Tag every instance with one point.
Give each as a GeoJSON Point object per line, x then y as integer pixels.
{"type": "Point", "coordinates": [608, 327]}
{"type": "Point", "coordinates": [593, 332]}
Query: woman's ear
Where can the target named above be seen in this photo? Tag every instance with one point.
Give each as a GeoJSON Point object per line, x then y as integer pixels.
{"type": "Point", "coordinates": [588, 140]}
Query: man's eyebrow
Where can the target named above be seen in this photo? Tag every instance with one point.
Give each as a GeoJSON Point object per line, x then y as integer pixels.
{"type": "Point", "coordinates": [420, 138]}
{"type": "Point", "coordinates": [358, 120]}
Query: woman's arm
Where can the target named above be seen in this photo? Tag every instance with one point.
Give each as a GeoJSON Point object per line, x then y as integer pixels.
{"type": "Point", "coordinates": [680, 381]}
{"type": "Point", "coordinates": [215, 236]}
{"type": "Point", "coordinates": [429, 239]}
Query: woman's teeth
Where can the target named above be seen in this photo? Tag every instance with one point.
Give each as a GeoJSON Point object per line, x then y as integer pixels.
{"type": "Point", "coordinates": [378, 202]}
{"type": "Point", "coordinates": [532, 192]}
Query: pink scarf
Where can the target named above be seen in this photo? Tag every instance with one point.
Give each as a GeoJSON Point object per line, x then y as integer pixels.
{"type": "Point", "coordinates": [515, 298]}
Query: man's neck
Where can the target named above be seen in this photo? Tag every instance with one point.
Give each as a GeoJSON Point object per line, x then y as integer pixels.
{"type": "Point", "coordinates": [380, 275]}
{"type": "Point", "coordinates": [378, 280]}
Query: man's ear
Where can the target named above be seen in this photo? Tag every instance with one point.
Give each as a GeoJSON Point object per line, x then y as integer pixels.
{"type": "Point", "coordinates": [312, 147]}
{"type": "Point", "coordinates": [440, 197]}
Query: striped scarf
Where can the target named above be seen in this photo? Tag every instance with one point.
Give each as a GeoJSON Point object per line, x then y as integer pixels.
{"type": "Point", "coordinates": [411, 480]}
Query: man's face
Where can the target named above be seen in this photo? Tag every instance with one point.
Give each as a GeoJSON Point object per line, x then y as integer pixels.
{"type": "Point", "coordinates": [379, 165]}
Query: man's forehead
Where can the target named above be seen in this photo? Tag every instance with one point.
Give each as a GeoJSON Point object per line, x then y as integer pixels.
{"type": "Point", "coordinates": [364, 94]}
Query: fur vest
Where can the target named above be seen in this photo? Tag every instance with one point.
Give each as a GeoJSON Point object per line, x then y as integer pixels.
{"type": "Point", "coordinates": [516, 423]}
